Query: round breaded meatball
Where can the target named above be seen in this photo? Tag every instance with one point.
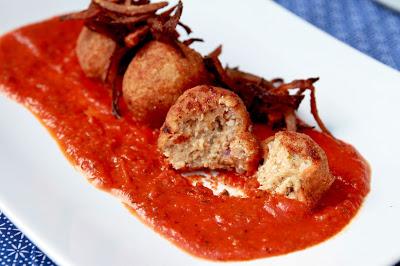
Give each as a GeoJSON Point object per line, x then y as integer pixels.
{"type": "Point", "coordinates": [294, 166]}
{"type": "Point", "coordinates": [209, 127]}
{"type": "Point", "coordinates": [157, 76]}
{"type": "Point", "coordinates": [94, 52]}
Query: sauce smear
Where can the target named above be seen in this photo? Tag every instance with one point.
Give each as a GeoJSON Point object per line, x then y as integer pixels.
{"type": "Point", "coordinates": [39, 69]}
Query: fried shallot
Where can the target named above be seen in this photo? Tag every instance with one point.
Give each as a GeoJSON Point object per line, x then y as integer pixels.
{"type": "Point", "coordinates": [267, 101]}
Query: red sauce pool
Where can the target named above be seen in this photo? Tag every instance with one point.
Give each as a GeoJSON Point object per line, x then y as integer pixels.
{"type": "Point", "coordinates": [39, 69]}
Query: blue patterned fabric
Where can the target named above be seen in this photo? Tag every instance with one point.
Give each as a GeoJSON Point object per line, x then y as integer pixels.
{"type": "Point", "coordinates": [363, 24]}
{"type": "Point", "coordinates": [16, 249]}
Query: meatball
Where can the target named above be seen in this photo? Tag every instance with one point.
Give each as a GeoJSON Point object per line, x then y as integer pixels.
{"type": "Point", "coordinates": [94, 52]}
{"type": "Point", "coordinates": [294, 166]}
{"type": "Point", "coordinates": [157, 76]}
{"type": "Point", "coordinates": [210, 128]}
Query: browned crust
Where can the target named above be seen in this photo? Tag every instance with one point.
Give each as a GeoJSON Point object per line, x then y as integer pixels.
{"type": "Point", "coordinates": [302, 145]}
{"type": "Point", "coordinates": [94, 52]}
{"type": "Point", "coordinates": [317, 178]}
{"type": "Point", "coordinates": [201, 99]}
{"type": "Point", "coordinates": [157, 76]}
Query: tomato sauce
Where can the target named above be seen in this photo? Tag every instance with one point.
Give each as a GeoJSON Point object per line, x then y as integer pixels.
{"type": "Point", "coordinates": [39, 69]}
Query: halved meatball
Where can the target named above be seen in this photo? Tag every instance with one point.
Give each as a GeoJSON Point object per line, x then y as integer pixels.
{"type": "Point", "coordinates": [94, 52]}
{"type": "Point", "coordinates": [210, 128]}
{"type": "Point", "coordinates": [294, 166]}
{"type": "Point", "coordinates": [157, 76]}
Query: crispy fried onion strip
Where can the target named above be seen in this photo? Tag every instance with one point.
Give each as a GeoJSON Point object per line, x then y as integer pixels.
{"type": "Point", "coordinates": [134, 38]}
{"type": "Point", "coordinates": [130, 9]}
{"type": "Point", "coordinates": [270, 101]}
{"type": "Point", "coordinates": [114, 78]}
{"type": "Point", "coordinates": [188, 42]}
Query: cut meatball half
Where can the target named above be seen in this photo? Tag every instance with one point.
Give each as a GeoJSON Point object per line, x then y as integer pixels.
{"type": "Point", "coordinates": [94, 52]}
{"type": "Point", "coordinates": [210, 128]}
{"type": "Point", "coordinates": [294, 166]}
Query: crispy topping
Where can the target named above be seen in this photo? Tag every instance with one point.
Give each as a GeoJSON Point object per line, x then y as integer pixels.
{"type": "Point", "coordinates": [267, 101]}
{"type": "Point", "coordinates": [188, 42]}
{"type": "Point", "coordinates": [129, 8]}
{"type": "Point", "coordinates": [130, 20]}
{"type": "Point", "coordinates": [118, 19]}
{"type": "Point", "coordinates": [134, 38]}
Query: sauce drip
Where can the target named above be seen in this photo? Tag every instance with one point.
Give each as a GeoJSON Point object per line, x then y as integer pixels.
{"type": "Point", "coordinates": [39, 69]}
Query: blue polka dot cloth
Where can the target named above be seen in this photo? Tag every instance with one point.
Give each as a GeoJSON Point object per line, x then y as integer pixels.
{"type": "Point", "coordinates": [365, 25]}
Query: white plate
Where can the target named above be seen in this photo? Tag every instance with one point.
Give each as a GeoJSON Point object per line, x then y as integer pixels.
{"type": "Point", "coordinates": [76, 224]}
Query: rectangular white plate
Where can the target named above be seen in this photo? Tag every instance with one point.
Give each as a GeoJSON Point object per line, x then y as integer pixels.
{"type": "Point", "coordinates": [75, 224]}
